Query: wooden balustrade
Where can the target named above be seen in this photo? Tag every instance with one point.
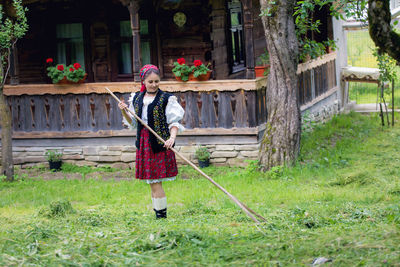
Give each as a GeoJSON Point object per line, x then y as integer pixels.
{"type": "Point", "coordinates": [45, 109]}
{"type": "Point", "coordinates": [316, 77]}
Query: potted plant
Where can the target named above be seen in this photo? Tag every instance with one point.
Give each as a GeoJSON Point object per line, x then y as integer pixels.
{"type": "Point", "coordinates": [203, 156]}
{"type": "Point", "coordinates": [201, 71]}
{"type": "Point", "coordinates": [55, 159]}
{"type": "Point", "coordinates": [63, 74]}
{"type": "Point", "coordinates": [181, 70]}
{"type": "Point", "coordinates": [263, 64]}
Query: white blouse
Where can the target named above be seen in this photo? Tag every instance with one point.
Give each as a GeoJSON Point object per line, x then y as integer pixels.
{"type": "Point", "coordinates": [174, 112]}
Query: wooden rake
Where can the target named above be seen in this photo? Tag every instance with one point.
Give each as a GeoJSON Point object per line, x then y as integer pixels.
{"type": "Point", "coordinates": [252, 214]}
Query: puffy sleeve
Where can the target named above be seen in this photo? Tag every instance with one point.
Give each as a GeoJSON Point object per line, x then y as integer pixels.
{"type": "Point", "coordinates": [174, 113]}
{"type": "Point", "coordinates": [130, 105]}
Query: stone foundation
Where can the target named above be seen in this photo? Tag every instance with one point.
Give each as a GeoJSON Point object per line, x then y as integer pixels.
{"type": "Point", "coordinates": [123, 157]}
{"type": "Point", "coordinates": [323, 110]}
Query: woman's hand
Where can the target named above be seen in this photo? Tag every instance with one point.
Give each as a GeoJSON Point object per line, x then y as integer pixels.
{"type": "Point", "coordinates": [169, 143]}
{"type": "Point", "coordinates": [122, 105]}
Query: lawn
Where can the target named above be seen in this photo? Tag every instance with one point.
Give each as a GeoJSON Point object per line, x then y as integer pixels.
{"type": "Point", "coordinates": [359, 54]}
{"type": "Point", "coordinates": [341, 201]}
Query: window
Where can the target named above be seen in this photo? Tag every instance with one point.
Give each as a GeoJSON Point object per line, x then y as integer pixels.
{"type": "Point", "coordinates": [70, 47]}
{"type": "Point", "coordinates": [125, 50]}
{"type": "Point", "coordinates": [237, 55]}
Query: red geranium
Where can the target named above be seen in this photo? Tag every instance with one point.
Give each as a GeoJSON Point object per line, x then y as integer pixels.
{"type": "Point", "coordinates": [181, 61]}
{"type": "Point", "coordinates": [199, 68]}
{"type": "Point", "coordinates": [71, 69]}
{"type": "Point", "coordinates": [49, 60]}
{"type": "Point", "coordinates": [197, 63]}
{"type": "Point", "coordinates": [60, 67]}
{"type": "Point", "coordinates": [77, 66]}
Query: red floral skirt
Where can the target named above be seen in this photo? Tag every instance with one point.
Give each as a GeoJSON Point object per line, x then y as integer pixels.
{"type": "Point", "coordinates": [152, 166]}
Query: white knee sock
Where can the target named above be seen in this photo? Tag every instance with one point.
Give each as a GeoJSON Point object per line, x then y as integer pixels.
{"type": "Point", "coordinates": [159, 203]}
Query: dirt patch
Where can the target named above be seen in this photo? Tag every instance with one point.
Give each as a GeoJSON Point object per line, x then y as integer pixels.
{"type": "Point", "coordinates": [36, 173]}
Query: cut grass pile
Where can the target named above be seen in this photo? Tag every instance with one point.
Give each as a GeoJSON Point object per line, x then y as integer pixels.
{"type": "Point", "coordinates": [340, 201]}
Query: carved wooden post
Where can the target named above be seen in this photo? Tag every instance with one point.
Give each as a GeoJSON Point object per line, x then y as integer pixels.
{"type": "Point", "coordinates": [14, 70]}
{"type": "Point", "coordinates": [133, 7]}
{"type": "Point", "coordinates": [248, 37]}
{"type": "Point", "coordinates": [218, 36]}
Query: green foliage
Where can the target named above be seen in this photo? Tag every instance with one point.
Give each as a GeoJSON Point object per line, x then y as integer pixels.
{"type": "Point", "coordinates": [73, 72]}
{"type": "Point", "coordinates": [55, 74]}
{"type": "Point", "coordinates": [263, 59]}
{"type": "Point", "coordinates": [53, 155]}
{"type": "Point", "coordinates": [202, 153]}
{"type": "Point", "coordinates": [74, 75]}
{"type": "Point", "coordinates": [182, 70]}
{"type": "Point", "coordinates": [200, 70]}
{"type": "Point", "coordinates": [11, 29]}
{"type": "Point", "coordinates": [386, 65]}
{"type": "Point", "coordinates": [306, 24]}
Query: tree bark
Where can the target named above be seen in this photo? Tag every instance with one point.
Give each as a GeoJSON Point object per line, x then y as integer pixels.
{"type": "Point", "coordinates": [281, 141]}
{"type": "Point", "coordinates": [7, 163]}
{"type": "Point", "coordinates": [380, 30]}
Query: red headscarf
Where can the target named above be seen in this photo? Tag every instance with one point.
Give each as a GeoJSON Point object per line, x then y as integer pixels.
{"type": "Point", "coordinates": [142, 73]}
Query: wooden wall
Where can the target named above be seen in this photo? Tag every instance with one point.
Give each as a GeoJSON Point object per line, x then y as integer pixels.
{"type": "Point", "coordinates": [100, 19]}
{"type": "Point", "coordinates": [202, 37]}
{"type": "Point", "coordinates": [191, 41]}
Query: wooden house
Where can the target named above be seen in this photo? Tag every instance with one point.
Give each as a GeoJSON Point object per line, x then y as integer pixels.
{"type": "Point", "coordinates": [112, 39]}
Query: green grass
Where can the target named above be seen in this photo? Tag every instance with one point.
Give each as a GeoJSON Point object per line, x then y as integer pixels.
{"type": "Point", "coordinates": [340, 201]}
{"type": "Point", "coordinates": [359, 54]}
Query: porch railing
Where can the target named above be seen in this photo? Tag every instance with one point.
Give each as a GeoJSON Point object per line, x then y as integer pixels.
{"type": "Point", "coordinates": [86, 110]}
{"type": "Point", "coordinates": [316, 77]}
{"type": "Point", "coordinates": [80, 110]}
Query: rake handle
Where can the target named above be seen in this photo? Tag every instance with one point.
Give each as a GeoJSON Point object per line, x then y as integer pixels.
{"type": "Point", "coordinates": [247, 210]}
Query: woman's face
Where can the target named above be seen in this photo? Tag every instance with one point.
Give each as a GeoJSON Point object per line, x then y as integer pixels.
{"type": "Point", "coordinates": [151, 82]}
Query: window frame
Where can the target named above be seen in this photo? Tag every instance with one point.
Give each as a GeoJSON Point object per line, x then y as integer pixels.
{"type": "Point", "coordinates": [240, 64]}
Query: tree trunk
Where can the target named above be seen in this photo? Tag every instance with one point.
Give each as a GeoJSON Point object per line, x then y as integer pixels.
{"type": "Point", "coordinates": [380, 30]}
{"type": "Point", "coordinates": [7, 164]}
{"type": "Point", "coordinates": [281, 141]}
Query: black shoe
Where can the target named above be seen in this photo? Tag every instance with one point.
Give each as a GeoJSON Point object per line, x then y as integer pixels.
{"type": "Point", "coordinates": [161, 213]}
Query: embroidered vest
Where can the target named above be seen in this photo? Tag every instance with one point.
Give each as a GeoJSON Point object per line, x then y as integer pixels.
{"type": "Point", "coordinates": [156, 119]}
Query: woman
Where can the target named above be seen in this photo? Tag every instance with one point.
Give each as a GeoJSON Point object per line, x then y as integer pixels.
{"type": "Point", "coordinates": [155, 162]}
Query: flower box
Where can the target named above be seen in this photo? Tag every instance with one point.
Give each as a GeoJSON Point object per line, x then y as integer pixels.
{"type": "Point", "coordinates": [186, 73]}
{"type": "Point", "coordinates": [202, 77]}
